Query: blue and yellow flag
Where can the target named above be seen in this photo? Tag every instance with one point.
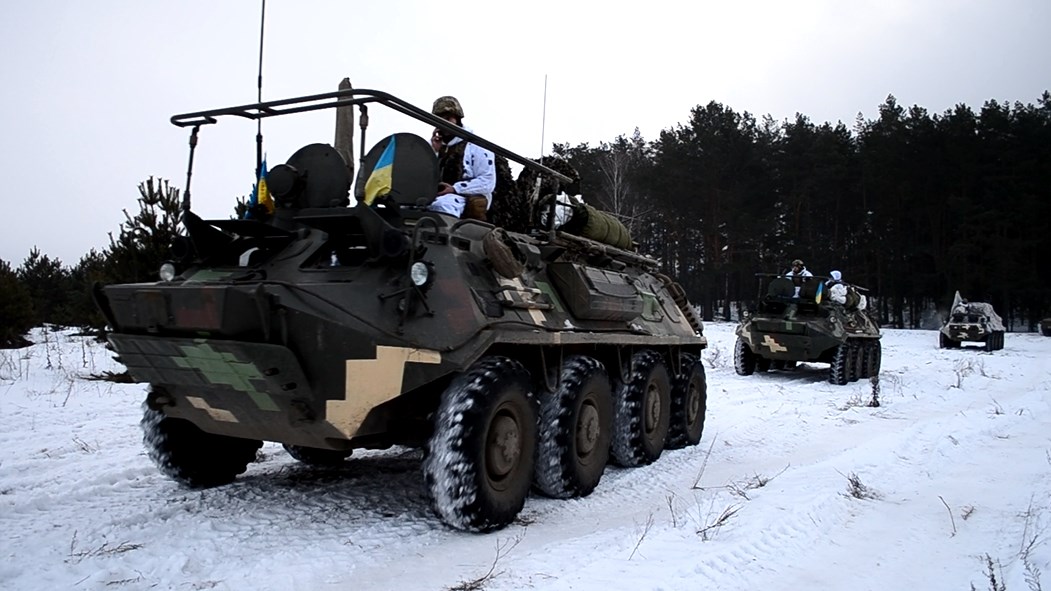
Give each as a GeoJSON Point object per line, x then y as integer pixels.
{"type": "Point", "coordinates": [379, 182]}
{"type": "Point", "coordinates": [260, 194]}
{"type": "Point", "coordinates": [820, 293]}
{"type": "Point", "coordinates": [264, 197]}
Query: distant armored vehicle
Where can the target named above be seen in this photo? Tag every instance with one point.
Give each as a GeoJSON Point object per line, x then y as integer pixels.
{"type": "Point", "coordinates": [1045, 327]}
{"type": "Point", "coordinates": [784, 329]}
{"type": "Point", "coordinates": [514, 359]}
{"type": "Point", "coordinates": [972, 322]}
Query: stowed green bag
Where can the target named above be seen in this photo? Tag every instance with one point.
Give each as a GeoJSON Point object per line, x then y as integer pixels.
{"type": "Point", "coordinates": [601, 226]}
{"type": "Point", "coordinates": [589, 222]}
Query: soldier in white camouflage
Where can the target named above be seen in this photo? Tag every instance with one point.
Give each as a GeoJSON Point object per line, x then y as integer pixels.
{"type": "Point", "coordinates": [467, 171]}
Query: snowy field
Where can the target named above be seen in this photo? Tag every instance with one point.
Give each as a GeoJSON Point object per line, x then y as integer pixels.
{"type": "Point", "coordinates": [796, 484]}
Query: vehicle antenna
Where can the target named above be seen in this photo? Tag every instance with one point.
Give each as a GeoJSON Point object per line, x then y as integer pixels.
{"type": "Point", "coordinates": [554, 198]}
{"type": "Point", "coordinates": [259, 86]}
{"type": "Point", "coordinates": [543, 120]}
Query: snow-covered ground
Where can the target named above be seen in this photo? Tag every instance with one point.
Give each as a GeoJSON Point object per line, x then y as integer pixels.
{"type": "Point", "coordinates": [951, 474]}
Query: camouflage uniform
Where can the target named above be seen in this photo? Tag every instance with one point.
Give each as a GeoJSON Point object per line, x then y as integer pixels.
{"type": "Point", "coordinates": [470, 169]}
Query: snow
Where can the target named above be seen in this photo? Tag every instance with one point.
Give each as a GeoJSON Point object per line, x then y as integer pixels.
{"type": "Point", "coordinates": [952, 468]}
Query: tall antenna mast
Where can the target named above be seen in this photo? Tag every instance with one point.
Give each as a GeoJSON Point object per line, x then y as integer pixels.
{"type": "Point", "coordinates": [543, 120]}
{"type": "Point", "coordinates": [259, 98]}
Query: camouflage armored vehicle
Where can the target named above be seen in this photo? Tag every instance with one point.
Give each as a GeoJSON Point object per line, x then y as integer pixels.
{"type": "Point", "coordinates": [971, 322]}
{"type": "Point", "coordinates": [784, 328]}
{"type": "Point", "coordinates": [513, 359]}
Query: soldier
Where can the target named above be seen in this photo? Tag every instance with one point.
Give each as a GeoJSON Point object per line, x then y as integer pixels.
{"type": "Point", "coordinates": [798, 274]}
{"type": "Point", "coordinates": [837, 290]}
{"type": "Point", "coordinates": [467, 172]}
{"type": "Point", "coordinates": [843, 294]}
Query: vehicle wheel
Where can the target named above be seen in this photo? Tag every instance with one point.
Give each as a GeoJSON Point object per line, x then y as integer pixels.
{"type": "Point", "coordinates": [480, 463]}
{"type": "Point", "coordinates": [744, 359]}
{"type": "Point", "coordinates": [1000, 340]}
{"type": "Point", "coordinates": [191, 456]}
{"type": "Point", "coordinates": [575, 430]}
{"type": "Point", "coordinates": [317, 457]}
{"type": "Point", "coordinates": [990, 341]}
{"type": "Point", "coordinates": [641, 409]}
{"type": "Point", "coordinates": [871, 368]}
{"type": "Point", "coordinates": [858, 360]}
{"type": "Point", "coordinates": [689, 401]}
{"type": "Point", "coordinates": [762, 364]}
{"type": "Point", "coordinates": [839, 369]}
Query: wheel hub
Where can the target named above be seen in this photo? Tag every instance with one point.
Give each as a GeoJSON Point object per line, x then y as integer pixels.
{"type": "Point", "coordinates": [652, 407]}
{"type": "Point", "coordinates": [693, 404]}
{"type": "Point", "coordinates": [587, 429]}
{"type": "Point", "coordinates": [503, 448]}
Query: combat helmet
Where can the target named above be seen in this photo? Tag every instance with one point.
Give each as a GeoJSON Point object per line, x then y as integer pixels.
{"type": "Point", "coordinates": [447, 105]}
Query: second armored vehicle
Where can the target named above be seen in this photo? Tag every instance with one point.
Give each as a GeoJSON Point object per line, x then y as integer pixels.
{"type": "Point", "coordinates": [514, 359]}
{"type": "Point", "coordinates": [788, 326]}
{"type": "Point", "coordinates": [972, 322]}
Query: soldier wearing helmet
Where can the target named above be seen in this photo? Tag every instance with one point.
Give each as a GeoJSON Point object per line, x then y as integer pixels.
{"type": "Point", "coordinates": [798, 274]}
{"type": "Point", "coordinates": [468, 171]}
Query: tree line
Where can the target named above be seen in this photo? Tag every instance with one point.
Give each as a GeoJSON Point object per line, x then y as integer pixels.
{"type": "Point", "coordinates": [909, 205]}
{"type": "Point", "coordinates": [44, 291]}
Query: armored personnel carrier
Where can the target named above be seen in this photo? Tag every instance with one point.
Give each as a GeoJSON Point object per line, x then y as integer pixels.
{"type": "Point", "coordinates": [786, 327]}
{"type": "Point", "coordinates": [971, 322]}
{"type": "Point", "coordinates": [515, 360]}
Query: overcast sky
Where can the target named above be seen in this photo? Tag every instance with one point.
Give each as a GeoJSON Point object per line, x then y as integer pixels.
{"type": "Point", "coordinates": [89, 86]}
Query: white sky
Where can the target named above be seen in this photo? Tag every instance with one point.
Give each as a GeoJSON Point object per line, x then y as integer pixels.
{"type": "Point", "coordinates": [89, 87]}
{"type": "Point", "coordinates": [958, 458]}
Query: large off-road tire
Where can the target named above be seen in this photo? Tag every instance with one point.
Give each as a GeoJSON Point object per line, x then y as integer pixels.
{"type": "Point", "coordinates": [641, 411]}
{"type": "Point", "coordinates": [762, 364]}
{"type": "Point", "coordinates": [480, 461]}
{"type": "Point", "coordinates": [689, 402]}
{"type": "Point", "coordinates": [873, 354]}
{"type": "Point", "coordinates": [857, 370]}
{"type": "Point", "coordinates": [744, 358]}
{"type": "Point", "coordinates": [575, 429]}
{"type": "Point", "coordinates": [191, 456]}
{"type": "Point", "coordinates": [995, 341]}
{"type": "Point", "coordinates": [839, 368]}
{"type": "Point", "coordinates": [317, 457]}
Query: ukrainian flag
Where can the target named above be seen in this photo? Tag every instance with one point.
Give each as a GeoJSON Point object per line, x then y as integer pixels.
{"type": "Point", "coordinates": [264, 194]}
{"type": "Point", "coordinates": [820, 293]}
{"type": "Point", "coordinates": [260, 194]}
{"type": "Point", "coordinates": [379, 182]}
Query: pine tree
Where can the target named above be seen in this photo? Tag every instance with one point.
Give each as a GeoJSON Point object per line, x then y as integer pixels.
{"type": "Point", "coordinates": [16, 309]}
{"type": "Point", "coordinates": [46, 282]}
{"type": "Point", "coordinates": [143, 243]}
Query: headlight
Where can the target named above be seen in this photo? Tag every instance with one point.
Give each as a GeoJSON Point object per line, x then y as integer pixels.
{"type": "Point", "coordinates": [167, 272]}
{"type": "Point", "coordinates": [420, 273]}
